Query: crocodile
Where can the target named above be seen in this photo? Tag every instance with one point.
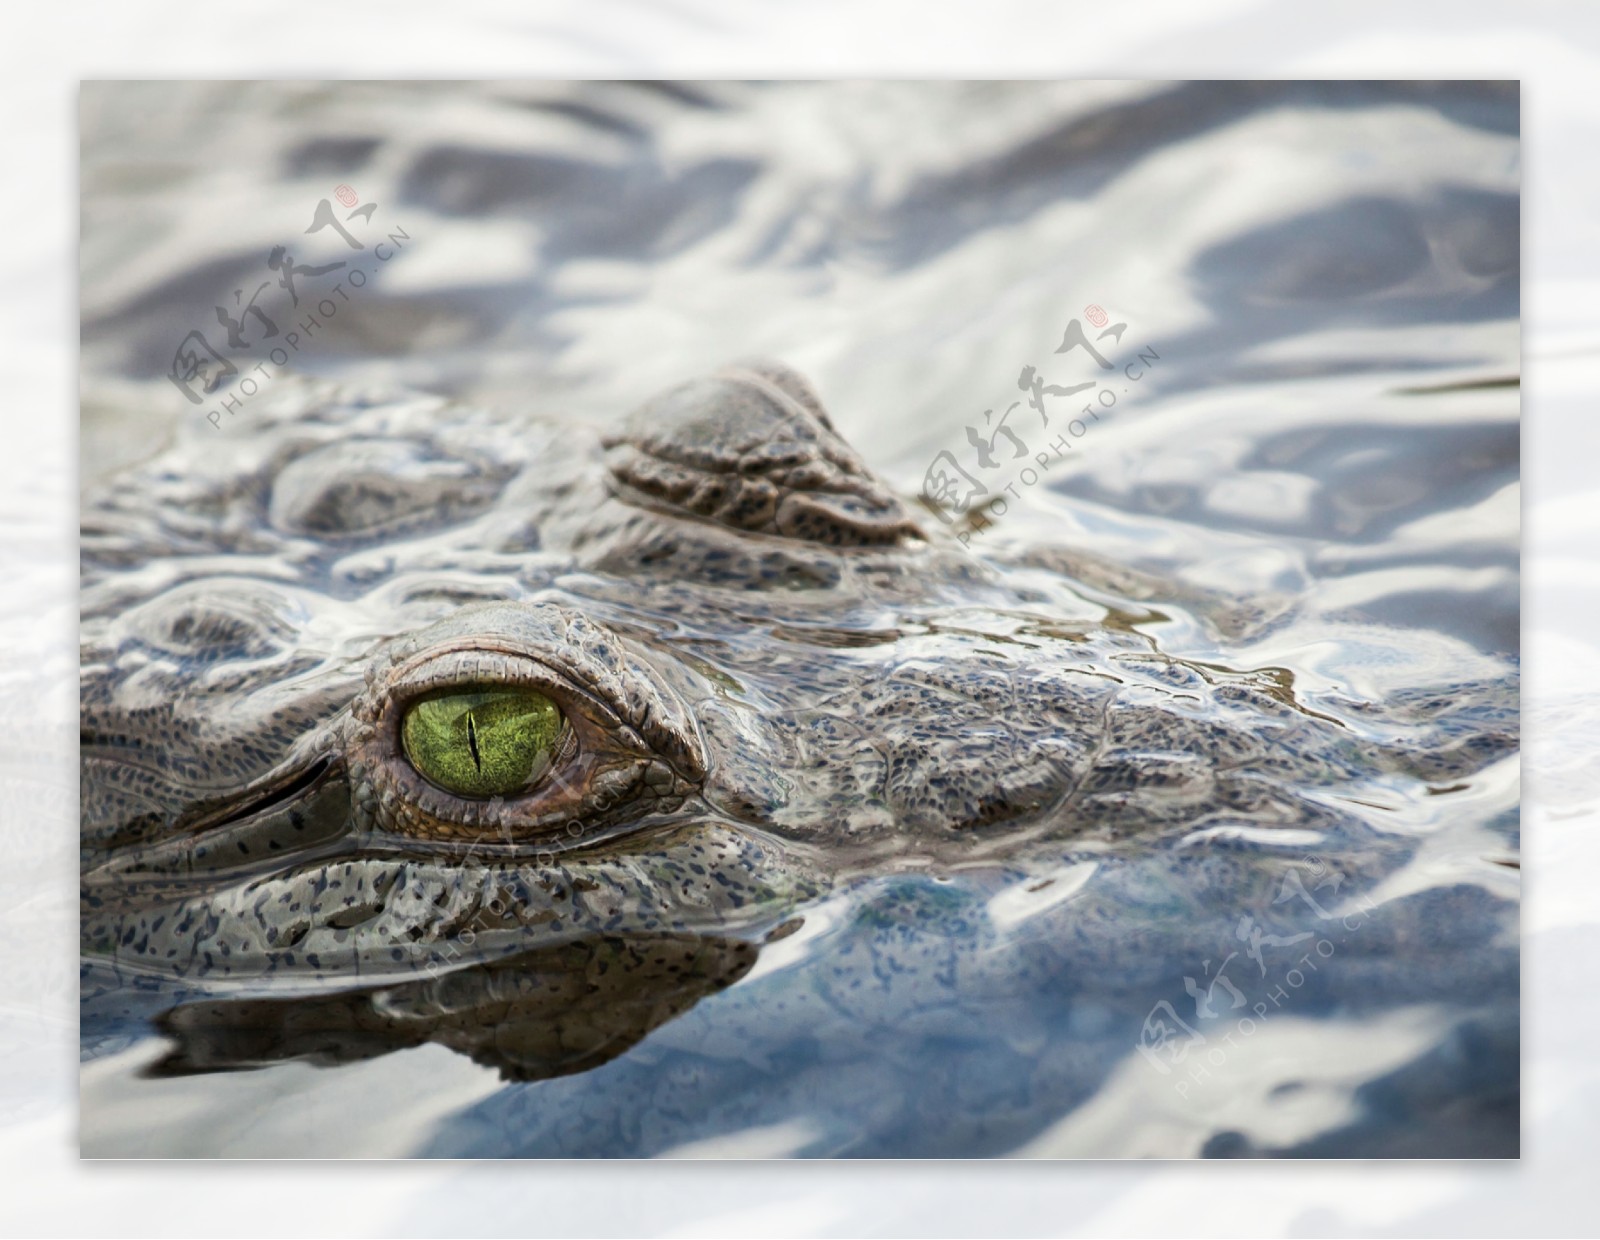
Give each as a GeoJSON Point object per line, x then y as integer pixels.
{"type": "Point", "coordinates": [408, 721]}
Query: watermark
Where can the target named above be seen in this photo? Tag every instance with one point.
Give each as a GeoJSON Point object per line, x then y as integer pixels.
{"type": "Point", "coordinates": [1183, 1053]}
{"type": "Point", "coordinates": [955, 494]}
{"type": "Point", "coordinates": [200, 370]}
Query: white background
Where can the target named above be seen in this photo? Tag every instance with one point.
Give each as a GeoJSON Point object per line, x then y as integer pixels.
{"type": "Point", "coordinates": [1554, 48]}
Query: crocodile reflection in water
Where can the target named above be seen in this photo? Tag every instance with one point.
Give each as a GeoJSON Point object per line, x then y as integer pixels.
{"type": "Point", "coordinates": [404, 722]}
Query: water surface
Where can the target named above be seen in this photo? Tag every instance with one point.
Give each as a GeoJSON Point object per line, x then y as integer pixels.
{"type": "Point", "coordinates": [1323, 281]}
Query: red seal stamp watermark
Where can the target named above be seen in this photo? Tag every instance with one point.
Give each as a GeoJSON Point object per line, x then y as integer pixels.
{"type": "Point", "coordinates": [1094, 314]}
{"type": "Point", "coordinates": [347, 196]}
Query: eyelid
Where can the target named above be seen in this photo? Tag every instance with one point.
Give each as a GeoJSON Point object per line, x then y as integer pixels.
{"type": "Point", "coordinates": [478, 665]}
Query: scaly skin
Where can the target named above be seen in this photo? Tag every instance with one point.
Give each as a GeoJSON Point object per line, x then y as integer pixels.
{"type": "Point", "coordinates": [777, 682]}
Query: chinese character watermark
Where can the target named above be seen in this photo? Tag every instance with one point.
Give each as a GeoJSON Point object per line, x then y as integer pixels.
{"type": "Point", "coordinates": [1185, 1050]}
{"type": "Point", "coordinates": [957, 495]}
{"type": "Point", "coordinates": [203, 372]}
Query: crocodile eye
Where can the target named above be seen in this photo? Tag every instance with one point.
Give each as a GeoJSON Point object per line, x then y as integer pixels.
{"type": "Point", "coordinates": [508, 724]}
{"type": "Point", "coordinates": [482, 742]}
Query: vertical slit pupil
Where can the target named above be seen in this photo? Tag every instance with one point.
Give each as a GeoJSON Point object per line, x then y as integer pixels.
{"type": "Point", "coordinates": [472, 742]}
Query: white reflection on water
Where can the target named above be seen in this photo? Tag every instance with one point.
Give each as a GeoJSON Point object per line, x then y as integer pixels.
{"type": "Point", "coordinates": [299, 1111]}
{"type": "Point", "coordinates": [1289, 1082]}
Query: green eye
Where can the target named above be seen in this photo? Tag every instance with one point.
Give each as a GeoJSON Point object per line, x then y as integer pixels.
{"type": "Point", "coordinates": [488, 742]}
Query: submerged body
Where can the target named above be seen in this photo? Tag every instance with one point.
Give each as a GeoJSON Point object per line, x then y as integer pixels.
{"type": "Point", "coordinates": [404, 722]}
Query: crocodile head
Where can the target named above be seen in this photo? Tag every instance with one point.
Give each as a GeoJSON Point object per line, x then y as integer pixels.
{"type": "Point", "coordinates": [408, 722]}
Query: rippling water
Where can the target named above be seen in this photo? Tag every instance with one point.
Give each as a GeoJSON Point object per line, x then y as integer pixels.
{"type": "Point", "coordinates": [1318, 459]}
